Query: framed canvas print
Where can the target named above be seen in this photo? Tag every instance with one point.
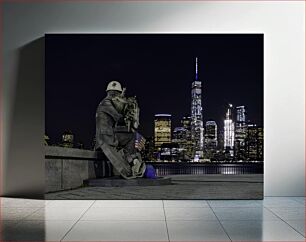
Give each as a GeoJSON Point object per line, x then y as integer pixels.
{"type": "Point", "coordinates": [154, 116]}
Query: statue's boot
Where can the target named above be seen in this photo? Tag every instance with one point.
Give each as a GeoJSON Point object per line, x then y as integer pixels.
{"type": "Point", "coordinates": [116, 157]}
{"type": "Point", "coordinates": [142, 170]}
{"type": "Point", "coordinates": [138, 168]}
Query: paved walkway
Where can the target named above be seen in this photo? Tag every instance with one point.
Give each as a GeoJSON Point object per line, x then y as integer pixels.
{"type": "Point", "coordinates": [183, 187]}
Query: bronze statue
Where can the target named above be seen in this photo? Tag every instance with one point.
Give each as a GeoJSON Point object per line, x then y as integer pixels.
{"type": "Point", "coordinates": [117, 119]}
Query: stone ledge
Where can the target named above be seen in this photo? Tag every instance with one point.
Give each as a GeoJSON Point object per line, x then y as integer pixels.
{"type": "Point", "coordinates": [63, 152]}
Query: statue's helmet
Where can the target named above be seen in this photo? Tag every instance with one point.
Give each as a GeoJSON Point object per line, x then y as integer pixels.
{"type": "Point", "coordinates": [114, 86]}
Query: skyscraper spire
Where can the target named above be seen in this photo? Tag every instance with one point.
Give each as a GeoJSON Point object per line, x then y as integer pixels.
{"type": "Point", "coordinates": [196, 72]}
{"type": "Point", "coordinates": [197, 135]}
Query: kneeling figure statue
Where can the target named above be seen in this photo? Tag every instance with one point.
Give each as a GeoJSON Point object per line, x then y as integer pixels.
{"type": "Point", "coordinates": [117, 120]}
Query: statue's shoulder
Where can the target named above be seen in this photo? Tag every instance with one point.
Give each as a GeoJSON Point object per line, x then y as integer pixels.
{"type": "Point", "coordinates": [106, 102]}
{"type": "Point", "coordinates": [106, 106]}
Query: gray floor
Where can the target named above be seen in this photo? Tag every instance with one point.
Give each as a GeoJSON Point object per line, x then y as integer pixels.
{"type": "Point", "coordinates": [273, 219]}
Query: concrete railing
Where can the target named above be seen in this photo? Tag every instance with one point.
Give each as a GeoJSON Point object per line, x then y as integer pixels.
{"type": "Point", "coordinates": [67, 168]}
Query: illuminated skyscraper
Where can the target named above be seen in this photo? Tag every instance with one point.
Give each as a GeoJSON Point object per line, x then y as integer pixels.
{"type": "Point", "coordinates": [229, 131]}
{"type": "Point", "coordinates": [254, 143]}
{"type": "Point", "coordinates": [210, 140]}
{"type": "Point", "coordinates": [251, 142]}
{"type": "Point", "coordinates": [186, 124]}
{"type": "Point", "coordinates": [162, 130]}
{"type": "Point", "coordinates": [241, 114]}
{"type": "Point", "coordinates": [180, 136]}
{"type": "Point", "coordinates": [240, 133]}
{"type": "Point", "coordinates": [260, 144]}
{"type": "Point", "coordinates": [196, 115]}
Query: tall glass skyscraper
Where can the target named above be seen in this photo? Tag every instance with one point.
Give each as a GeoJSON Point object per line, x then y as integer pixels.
{"type": "Point", "coordinates": [229, 131]}
{"type": "Point", "coordinates": [240, 133]}
{"type": "Point", "coordinates": [211, 141]}
{"type": "Point", "coordinates": [254, 143]}
{"type": "Point", "coordinates": [197, 130]}
{"type": "Point", "coordinates": [241, 114]}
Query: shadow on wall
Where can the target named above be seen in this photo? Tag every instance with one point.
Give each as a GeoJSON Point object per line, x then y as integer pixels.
{"type": "Point", "coordinates": [23, 172]}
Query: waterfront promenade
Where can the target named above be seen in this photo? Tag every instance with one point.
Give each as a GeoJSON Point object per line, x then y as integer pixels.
{"type": "Point", "coordinates": [208, 186]}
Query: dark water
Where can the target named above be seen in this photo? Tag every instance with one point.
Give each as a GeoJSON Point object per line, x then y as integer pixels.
{"type": "Point", "coordinates": [163, 169]}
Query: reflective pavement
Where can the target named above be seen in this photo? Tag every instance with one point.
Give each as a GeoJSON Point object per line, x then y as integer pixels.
{"type": "Point", "coordinates": [271, 219]}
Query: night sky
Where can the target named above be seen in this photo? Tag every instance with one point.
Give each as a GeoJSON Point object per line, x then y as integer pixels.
{"type": "Point", "coordinates": [158, 69]}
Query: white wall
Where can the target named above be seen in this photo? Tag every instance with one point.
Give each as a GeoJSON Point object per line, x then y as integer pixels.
{"type": "Point", "coordinates": [283, 25]}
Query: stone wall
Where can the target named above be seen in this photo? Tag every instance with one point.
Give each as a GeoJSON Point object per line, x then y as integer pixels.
{"type": "Point", "coordinates": [67, 168]}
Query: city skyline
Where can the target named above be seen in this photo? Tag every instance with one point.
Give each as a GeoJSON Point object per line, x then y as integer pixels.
{"type": "Point", "coordinates": [241, 140]}
{"type": "Point", "coordinates": [151, 74]}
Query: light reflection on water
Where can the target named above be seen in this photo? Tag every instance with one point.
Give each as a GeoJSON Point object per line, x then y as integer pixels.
{"type": "Point", "coordinates": [163, 169]}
